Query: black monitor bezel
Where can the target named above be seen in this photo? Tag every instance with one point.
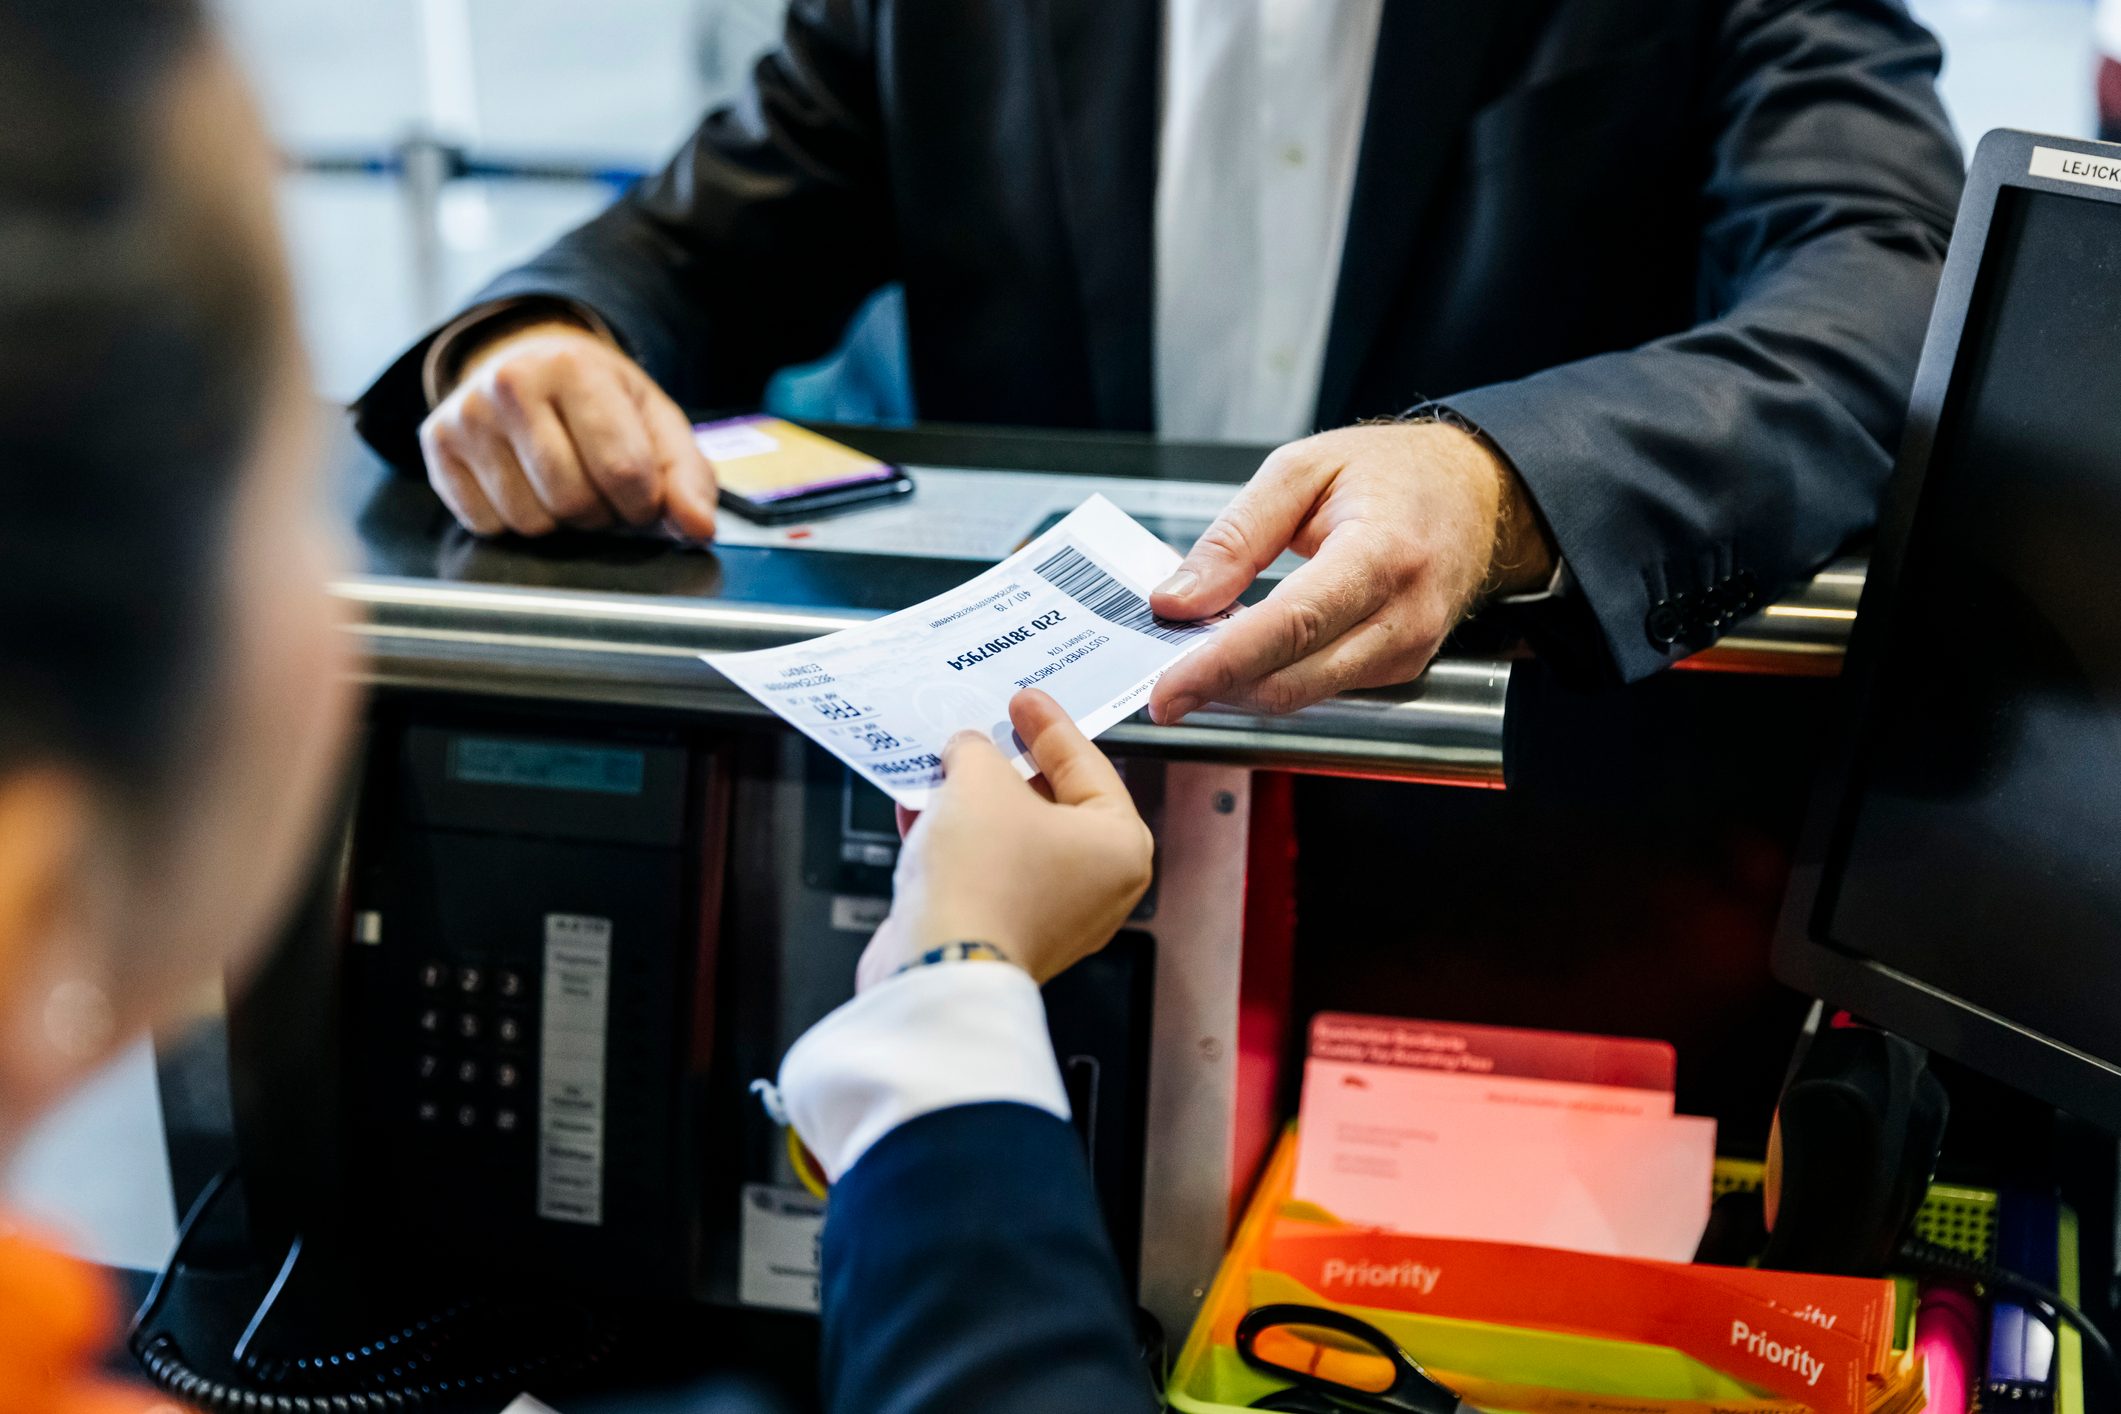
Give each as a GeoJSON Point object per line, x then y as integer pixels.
{"type": "Point", "coordinates": [2039, 1064]}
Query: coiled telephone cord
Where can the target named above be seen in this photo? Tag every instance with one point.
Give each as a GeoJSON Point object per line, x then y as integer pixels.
{"type": "Point", "coordinates": [426, 1364]}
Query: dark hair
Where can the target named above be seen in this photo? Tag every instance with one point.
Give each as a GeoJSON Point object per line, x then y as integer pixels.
{"type": "Point", "coordinates": [135, 348]}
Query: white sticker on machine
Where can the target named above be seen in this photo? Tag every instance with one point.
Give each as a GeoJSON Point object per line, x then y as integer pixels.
{"type": "Point", "coordinates": [851, 914]}
{"type": "Point", "coordinates": [779, 1239]}
{"type": "Point", "coordinates": [571, 1068]}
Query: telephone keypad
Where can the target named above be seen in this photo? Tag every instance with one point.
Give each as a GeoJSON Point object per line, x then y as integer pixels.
{"type": "Point", "coordinates": [483, 1040]}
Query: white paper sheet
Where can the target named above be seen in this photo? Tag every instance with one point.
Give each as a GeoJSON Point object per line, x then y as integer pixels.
{"type": "Point", "coordinates": [1069, 613]}
{"type": "Point", "coordinates": [1625, 1185]}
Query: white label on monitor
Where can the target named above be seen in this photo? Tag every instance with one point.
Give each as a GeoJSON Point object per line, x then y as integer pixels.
{"type": "Point", "coordinates": [2065, 166]}
{"type": "Point", "coordinates": [571, 1068]}
{"type": "Point", "coordinates": [778, 1239]}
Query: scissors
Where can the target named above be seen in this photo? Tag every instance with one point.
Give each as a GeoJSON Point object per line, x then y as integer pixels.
{"type": "Point", "coordinates": [1337, 1362]}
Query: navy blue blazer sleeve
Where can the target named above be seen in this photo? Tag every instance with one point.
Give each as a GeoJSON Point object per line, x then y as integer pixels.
{"type": "Point", "coordinates": [748, 252]}
{"type": "Point", "coordinates": [965, 1268]}
{"type": "Point", "coordinates": [1686, 479]}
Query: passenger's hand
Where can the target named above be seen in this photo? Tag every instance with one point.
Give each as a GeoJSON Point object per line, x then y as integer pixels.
{"type": "Point", "coordinates": [1408, 525]}
{"type": "Point", "coordinates": [552, 426]}
{"type": "Point", "coordinates": [1047, 875]}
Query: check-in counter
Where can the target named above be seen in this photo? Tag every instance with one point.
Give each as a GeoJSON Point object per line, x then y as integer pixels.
{"type": "Point", "coordinates": [594, 619]}
{"type": "Point", "coordinates": [489, 860]}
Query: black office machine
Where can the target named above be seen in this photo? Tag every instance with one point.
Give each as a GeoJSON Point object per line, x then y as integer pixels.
{"type": "Point", "coordinates": [530, 996]}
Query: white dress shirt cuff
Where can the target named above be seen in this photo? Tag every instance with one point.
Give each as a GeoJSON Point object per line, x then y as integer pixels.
{"type": "Point", "coordinates": [1557, 584]}
{"type": "Point", "coordinates": [953, 1033]}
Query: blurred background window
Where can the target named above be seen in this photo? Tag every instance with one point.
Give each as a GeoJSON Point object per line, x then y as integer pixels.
{"type": "Point", "coordinates": [432, 143]}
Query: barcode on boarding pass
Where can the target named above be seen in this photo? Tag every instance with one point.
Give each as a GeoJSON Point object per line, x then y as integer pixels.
{"type": "Point", "coordinates": [1086, 582]}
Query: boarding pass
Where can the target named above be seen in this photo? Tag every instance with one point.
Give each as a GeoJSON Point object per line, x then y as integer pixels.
{"type": "Point", "coordinates": [1068, 614]}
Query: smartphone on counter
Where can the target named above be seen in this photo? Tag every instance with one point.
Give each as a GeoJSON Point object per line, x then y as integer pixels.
{"type": "Point", "coordinates": [772, 472]}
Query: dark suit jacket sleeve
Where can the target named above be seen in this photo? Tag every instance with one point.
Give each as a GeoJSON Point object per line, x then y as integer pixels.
{"type": "Point", "coordinates": [965, 1268]}
{"type": "Point", "coordinates": [749, 251]}
{"type": "Point", "coordinates": [1688, 480]}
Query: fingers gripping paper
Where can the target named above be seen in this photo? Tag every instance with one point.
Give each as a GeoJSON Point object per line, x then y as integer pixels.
{"type": "Point", "coordinates": [1068, 613]}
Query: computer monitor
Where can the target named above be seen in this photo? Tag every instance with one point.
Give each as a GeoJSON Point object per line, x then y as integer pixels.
{"type": "Point", "coordinates": [1960, 879]}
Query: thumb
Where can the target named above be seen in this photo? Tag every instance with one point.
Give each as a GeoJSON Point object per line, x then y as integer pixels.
{"type": "Point", "coordinates": [1076, 771]}
{"type": "Point", "coordinates": [1247, 537]}
{"type": "Point", "coordinates": [688, 477]}
{"type": "Point", "coordinates": [974, 765]}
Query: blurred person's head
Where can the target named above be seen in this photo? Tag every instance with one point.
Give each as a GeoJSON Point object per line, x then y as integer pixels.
{"type": "Point", "coordinates": [171, 692]}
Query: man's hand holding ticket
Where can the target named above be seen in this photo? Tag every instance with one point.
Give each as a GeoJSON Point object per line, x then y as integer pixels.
{"type": "Point", "coordinates": [1068, 613]}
